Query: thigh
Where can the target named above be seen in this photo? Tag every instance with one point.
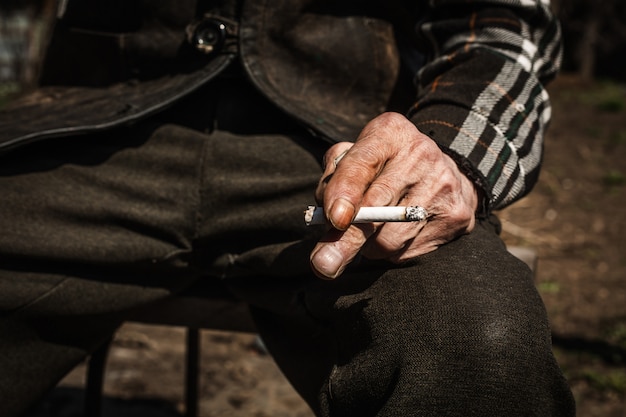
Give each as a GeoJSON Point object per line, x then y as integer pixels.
{"type": "Point", "coordinates": [127, 196]}
{"type": "Point", "coordinates": [255, 191]}
{"type": "Point", "coordinates": [460, 331]}
{"type": "Point", "coordinates": [96, 225]}
{"type": "Point", "coordinates": [91, 226]}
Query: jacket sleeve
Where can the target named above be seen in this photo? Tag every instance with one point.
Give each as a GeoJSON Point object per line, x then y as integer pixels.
{"type": "Point", "coordinates": [481, 94]}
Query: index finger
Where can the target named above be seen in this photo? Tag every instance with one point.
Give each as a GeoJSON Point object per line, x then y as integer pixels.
{"type": "Point", "coordinates": [358, 168]}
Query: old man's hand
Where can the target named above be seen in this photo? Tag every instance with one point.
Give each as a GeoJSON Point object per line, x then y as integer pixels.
{"type": "Point", "coordinates": [391, 164]}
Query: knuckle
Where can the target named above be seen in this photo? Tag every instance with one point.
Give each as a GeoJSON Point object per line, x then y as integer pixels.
{"type": "Point", "coordinates": [459, 214]}
{"type": "Point", "coordinates": [356, 235]}
{"type": "Point", "coordinates": [448, 179]}
{"type": "Point", "coordinates": [381, 193]}
{"type": "Point", "coordinates": [390, 244]}
{"type": "Point", "coordinates": [425, 147]}
{"type": "Point", "coordinates": [368, 155]}
{"type": "Point", "coordinates": [390, 119]}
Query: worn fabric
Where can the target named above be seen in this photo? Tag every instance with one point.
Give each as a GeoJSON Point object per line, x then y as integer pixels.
{"type": "Point", "coordinates": [443, 336]}
{"type": "Point", "coordinates": [482, 93]}
{"type": "Point", "coordinates": [98, 226]}
{"type": "Point", "coordinates": [101, 225]}
{"type": "Point", "coordinates": [479, 69]}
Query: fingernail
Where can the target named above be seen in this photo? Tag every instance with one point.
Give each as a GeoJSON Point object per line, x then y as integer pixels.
{"type": "Point", "coordinates": [327, 261]}
{"type": "Point", "coordinates": [341, 214]}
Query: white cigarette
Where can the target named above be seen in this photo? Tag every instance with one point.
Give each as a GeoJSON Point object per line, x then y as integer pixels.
{"type": "Point", "coordinates": [315, 215]}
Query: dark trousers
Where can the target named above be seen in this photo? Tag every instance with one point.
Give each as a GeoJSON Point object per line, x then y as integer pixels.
{"type": "Point", "coordinates": [92, 226]}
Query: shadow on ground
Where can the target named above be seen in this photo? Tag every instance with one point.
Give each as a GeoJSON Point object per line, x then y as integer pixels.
{"type": "Point", "coordinates": [68, 402]}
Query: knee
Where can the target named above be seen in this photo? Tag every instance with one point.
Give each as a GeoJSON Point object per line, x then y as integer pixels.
{"type": "Point", "coordinates": [453, 360]}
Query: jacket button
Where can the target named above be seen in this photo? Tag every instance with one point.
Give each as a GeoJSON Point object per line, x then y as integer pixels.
{"type": "Point", "coordinates": [207, 36]}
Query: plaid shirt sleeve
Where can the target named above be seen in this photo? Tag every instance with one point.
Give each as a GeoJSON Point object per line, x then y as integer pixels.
{"type": "Point", "coordinates": [481, 94]}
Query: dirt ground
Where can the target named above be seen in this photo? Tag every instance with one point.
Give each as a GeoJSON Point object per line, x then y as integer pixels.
{"type": "Point", "coordinates": [575, 220]}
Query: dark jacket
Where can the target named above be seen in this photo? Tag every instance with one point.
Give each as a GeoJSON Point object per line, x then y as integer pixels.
{"type": "Point", "coordinates": [332, 64]}
{"type": "Point", "coordinates": [329, 67]}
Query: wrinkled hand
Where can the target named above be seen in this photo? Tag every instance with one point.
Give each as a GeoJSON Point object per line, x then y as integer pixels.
{"type": "Point", "coordinates": [391, 164]}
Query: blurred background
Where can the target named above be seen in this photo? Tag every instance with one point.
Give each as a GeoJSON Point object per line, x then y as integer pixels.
{"type": "Point", "coordinates": [574, 220]}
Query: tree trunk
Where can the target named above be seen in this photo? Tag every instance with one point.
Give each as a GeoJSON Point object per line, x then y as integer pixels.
{"type": "Point", "coordinates": [588, 44]}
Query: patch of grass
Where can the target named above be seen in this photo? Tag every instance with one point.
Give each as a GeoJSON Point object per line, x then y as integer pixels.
{"type": "Point", "coordinates": [612, 104]}
{"type": "Point", "coordinates": [614, 178]}
{"type": "Point", "coordinates": [605, 382]}
{"type": "Point", "coordinates": [617, 139]}
{"type": "Point", "coordinates": [8, 91]}
{"type": "Point", "coordinates": [593, 132]}
{"type": "Point", "coordinates": [588, 203]}
{"type": "Point", "coordinates": [606, 96]}
{"type": "Point", "coordinates": [549, 287]}
{"type": "Point", "coordinates": [617, 335]}
{"type": "Point", "coordinates": [592, 254]}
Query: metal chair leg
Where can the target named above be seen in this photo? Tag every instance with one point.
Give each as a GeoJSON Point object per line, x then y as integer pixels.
{"type": "Point", "coordinates": [95, 380]}
{"type": "Point", "coordinates": [96, 368]}
{"type": "Point", "coordinates": [192, 371]}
